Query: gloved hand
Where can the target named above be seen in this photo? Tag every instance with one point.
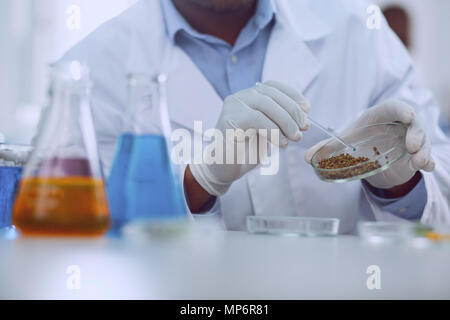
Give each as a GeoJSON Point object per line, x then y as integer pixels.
{"type": "Point", "coordinates": [270, 106]}
{"type": "Point", "coordinates": [417, 144]}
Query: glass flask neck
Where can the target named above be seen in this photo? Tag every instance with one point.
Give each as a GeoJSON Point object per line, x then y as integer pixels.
{"type": "Point", "coordinates": [147, 105]}
{"type": "Point", "coordinates": [66, 142]}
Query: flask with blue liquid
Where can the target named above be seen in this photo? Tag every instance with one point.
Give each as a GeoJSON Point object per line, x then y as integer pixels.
{"type": "Point", "coordinates": [12, 160]}
{"type": "Point", "coordinates": [144, 183]}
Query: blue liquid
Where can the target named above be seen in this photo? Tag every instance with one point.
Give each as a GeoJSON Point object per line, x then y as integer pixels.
{"type": "Point", "coordinates": [152, 189]}
{"type": "Point", "coordinates": [115, 186]}
{"type": "Point", "coordinates": [141, 184]}
{"type": "Point", "coordinates": [9, 178]}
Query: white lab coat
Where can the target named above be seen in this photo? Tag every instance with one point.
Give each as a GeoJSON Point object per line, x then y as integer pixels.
{"type": "Point", "coordinates": [321, 47]}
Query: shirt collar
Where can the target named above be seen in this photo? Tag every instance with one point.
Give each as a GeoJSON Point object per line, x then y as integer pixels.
{"type": "Point", "coordinates": [175, 22]}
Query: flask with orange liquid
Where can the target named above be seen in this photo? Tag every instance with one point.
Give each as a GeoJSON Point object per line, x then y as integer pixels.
{"type": "Point", "coordinates": [62, 191]}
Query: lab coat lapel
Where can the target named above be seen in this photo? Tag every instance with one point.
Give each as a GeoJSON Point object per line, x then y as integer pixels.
{"type": "Point", "coordinates": [288, 57]}
{"type": "Point", "coordinates": [190, 95]}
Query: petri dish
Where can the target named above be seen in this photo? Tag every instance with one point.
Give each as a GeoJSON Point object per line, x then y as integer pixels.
{"type": "Point", "coordinates": [154, 228]}
{"type": "Point", "coordinates": [293, 226]}
{"type": "Point", "coordinates": [379, 232]}
{"type": "Point", "coordinates": [387, 138]}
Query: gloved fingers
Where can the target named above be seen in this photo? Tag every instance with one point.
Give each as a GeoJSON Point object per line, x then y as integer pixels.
{"type": "Point", "coordinates": [287, 103]}
{"type": "Point", "coordinates": [392, 111]}
{"type": "Point", "coordinates": [422, 160]}
{"type": "Point", "coordinates": [312, 151]}
{"type": "Point", "coordinates": [292, 93]}
{"type": "Point", "coordinates": [415, 137]}
{"type": "Point", "coordinates": [419, 147]}
{"type": "Point", "coordinates": [273, 133]}
{"type": "Point", "coordinates": [430, 165]}
{"type": "Point", "coordinates": [274, 112]}
{"type": "Point", "coordinates": [254, 119]}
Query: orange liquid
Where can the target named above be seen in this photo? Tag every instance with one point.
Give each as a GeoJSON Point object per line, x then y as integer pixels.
{"type": "Point", "coordinates": [69, 206]}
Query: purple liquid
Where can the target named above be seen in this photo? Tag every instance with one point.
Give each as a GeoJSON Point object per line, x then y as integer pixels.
{"type": "Point", "coordinates": [63, 167]}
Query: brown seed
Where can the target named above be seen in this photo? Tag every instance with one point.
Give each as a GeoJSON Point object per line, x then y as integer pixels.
{"type": "Point", "coordinates": [375, 149]}
{"type": "Point", "coordinates": [356, 166]}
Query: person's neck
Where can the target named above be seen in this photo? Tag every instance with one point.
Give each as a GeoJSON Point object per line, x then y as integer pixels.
{"type": "Point", "coordinates": [225, 26]}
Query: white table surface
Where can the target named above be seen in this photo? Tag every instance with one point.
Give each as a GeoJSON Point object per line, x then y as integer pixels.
{"type": "Point", "coordinates": [210, 264]}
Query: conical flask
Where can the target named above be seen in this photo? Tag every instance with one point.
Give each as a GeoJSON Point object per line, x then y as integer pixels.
{"type": "Point", "coordinates": [62, 191]}
{"type": "Point", "coordinates": [144, 183]}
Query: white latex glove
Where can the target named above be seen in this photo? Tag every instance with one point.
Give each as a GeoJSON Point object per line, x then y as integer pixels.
{"type": "Point", "coordinates": [417, 144]}
{"type": "Point", "coordinates": [271, 105]}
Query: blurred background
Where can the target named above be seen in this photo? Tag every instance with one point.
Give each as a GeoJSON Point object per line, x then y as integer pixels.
{"type": "Point", "coordinates": [34, 33]}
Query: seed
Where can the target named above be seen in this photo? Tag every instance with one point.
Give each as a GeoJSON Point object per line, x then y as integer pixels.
{"type": "Point", "coordinates": [356, 166]}
{"type": "Point", "coordinates": [375, 149]}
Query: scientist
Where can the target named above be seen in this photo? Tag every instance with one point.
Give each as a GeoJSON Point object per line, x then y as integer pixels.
{"type": "Point", "coordinates": [317, 58]}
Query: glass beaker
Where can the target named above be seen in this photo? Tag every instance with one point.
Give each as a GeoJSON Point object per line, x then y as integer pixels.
{"type": "Point", "coordinates": [12, 160]}
{"type": "Point", "coordinates": [144, 183]}
{"type": "Point", "coordinates": [62, 191]}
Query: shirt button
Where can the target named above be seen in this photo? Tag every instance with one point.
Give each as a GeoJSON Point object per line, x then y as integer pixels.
{"type": "Point", "coordinates": [402, 210]}
{"type": "Point", "coordinates": [234, 58]}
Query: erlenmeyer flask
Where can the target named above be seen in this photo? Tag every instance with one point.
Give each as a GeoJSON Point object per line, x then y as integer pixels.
{"type": "Point", "coordinates": [12, 160]}
{"type": "Point", "coordinates": [62, 190]}
{"type": "Point", "coordinates": [144, 183]}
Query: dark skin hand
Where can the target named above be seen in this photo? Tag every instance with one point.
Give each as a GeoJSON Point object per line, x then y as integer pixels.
{"type": "Point", "coordinates": [196, 196]}
{"type": "Point", "coordinates": [223, 19]}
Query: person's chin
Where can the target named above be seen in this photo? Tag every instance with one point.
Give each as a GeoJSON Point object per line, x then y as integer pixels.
{"type": "Point", "coordinates": [224, 6]}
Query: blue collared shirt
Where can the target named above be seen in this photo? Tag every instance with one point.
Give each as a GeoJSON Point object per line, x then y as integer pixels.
{"type": "Point", "coordinates": [221, 63]}
{"type": "Point", "coordinates": [230, 69]}
{"type": "Point", "coordinates": [409, 207]}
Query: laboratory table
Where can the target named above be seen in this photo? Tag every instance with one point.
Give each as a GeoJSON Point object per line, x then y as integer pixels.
{"type": "Point", "coordinates": [211, 264]}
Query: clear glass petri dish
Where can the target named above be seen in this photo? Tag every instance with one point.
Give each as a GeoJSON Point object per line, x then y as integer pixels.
{"type": "Point", "coordinates": [293, 226]}
{"type": "Point", "coordinates": [153, 228]}
{"type": "Point", "coordinates": [383, 144]}
{"type": "Point", "coordinates": [379, 231]}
